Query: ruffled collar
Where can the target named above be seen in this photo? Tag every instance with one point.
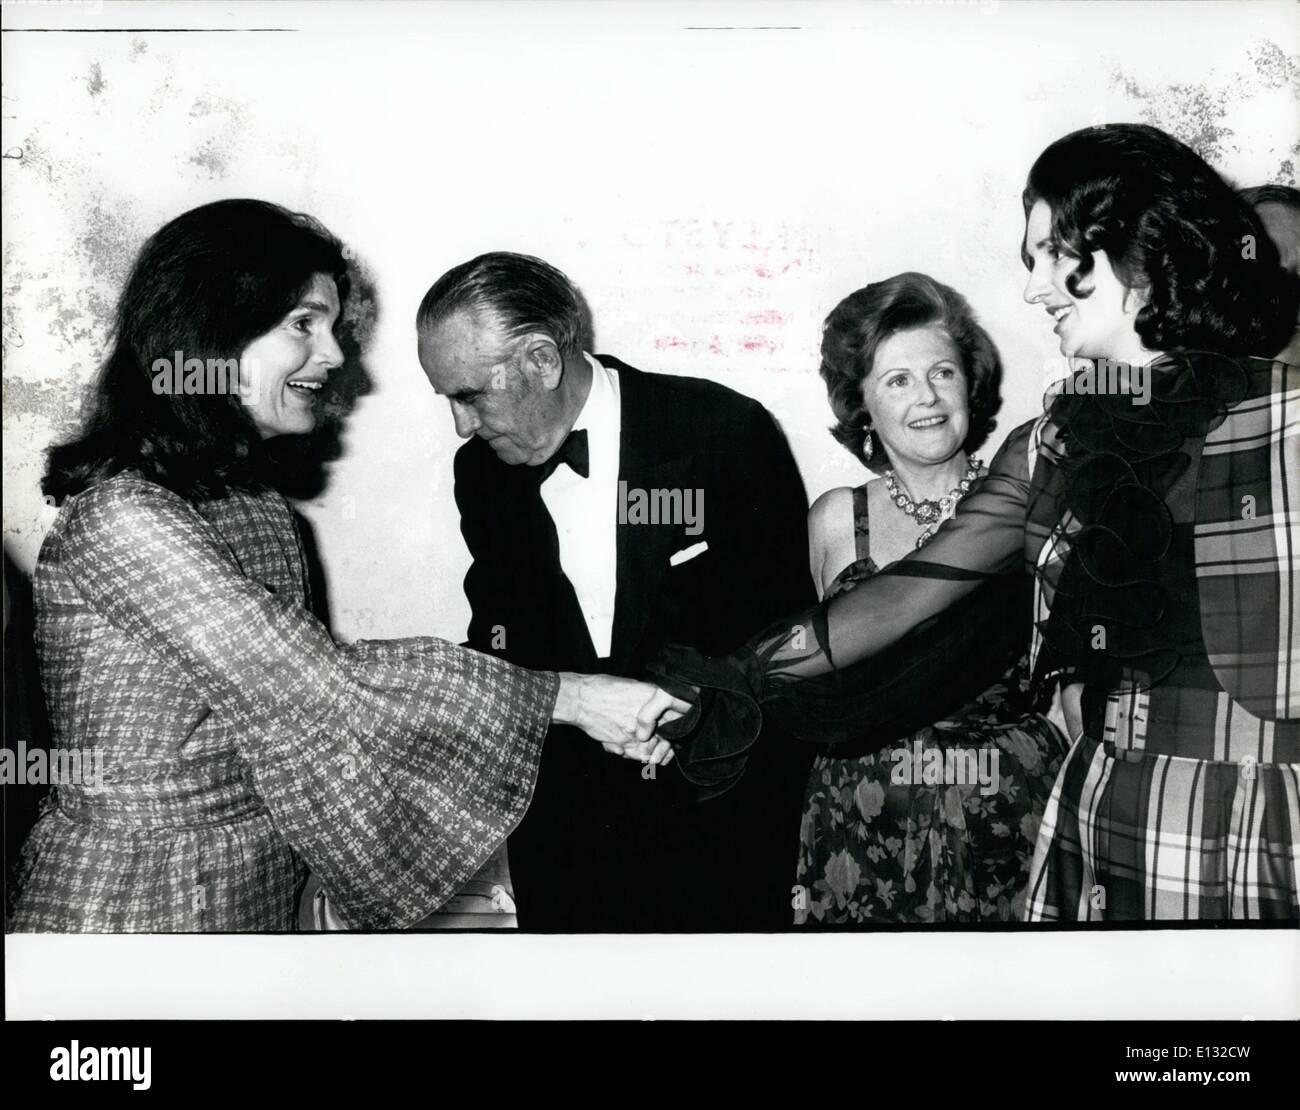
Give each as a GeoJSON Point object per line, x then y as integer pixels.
{"type": "Point", "coordinates": [1185, 395]}
{"type": "Point", "coordinates": [1118, 459]}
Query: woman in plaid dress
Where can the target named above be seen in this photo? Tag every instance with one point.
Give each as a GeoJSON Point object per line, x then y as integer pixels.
{"type": "Point", "coordinates": [239, 744]}
{"type": "Point", "coordinates": [1155, 505]}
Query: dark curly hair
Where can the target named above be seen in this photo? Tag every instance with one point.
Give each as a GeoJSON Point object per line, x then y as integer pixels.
{"type": "Point", "coordinates": [1286, 195]}
{"type": "Point", "coordinates": [1171, 228]}
{"type": "Point", "coordinates": [860, 323]}
{"type": "Point", "coordinates": [206, 284]}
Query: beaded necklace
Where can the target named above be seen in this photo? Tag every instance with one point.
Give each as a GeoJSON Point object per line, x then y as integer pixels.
{"type": "Point", "coordinates": [929, 513]}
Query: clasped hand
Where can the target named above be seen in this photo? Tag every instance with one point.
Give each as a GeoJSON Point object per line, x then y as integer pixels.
{"type": "Point", "coordinates": [621, 714]}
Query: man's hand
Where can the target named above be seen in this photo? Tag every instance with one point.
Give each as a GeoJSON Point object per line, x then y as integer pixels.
{"type": "Point", "coordinates": [650, 748]}
{"type": "Point", "coordinates": [661, 707]}
{"type": "Point", "coordinates": [621, 713]}
{"type": "Point", "coordinates": [654, 750]}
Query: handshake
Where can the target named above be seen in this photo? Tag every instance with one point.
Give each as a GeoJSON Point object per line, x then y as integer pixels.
{"type": "Point", "coordinates": [621, 714]}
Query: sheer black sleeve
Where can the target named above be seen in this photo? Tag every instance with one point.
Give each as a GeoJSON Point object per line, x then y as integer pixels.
{"type": "Point", "coordinates": [882, 657]}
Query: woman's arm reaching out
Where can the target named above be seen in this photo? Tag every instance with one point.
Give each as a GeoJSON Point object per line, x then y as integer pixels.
{"type": "Point", "coordinates": [985, 539]}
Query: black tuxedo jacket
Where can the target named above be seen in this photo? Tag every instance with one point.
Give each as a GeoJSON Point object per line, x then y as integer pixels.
{"type": "Point", "coordinates": [604, 848]}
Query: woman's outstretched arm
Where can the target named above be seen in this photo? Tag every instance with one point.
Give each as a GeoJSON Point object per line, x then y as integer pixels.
{"type": "Point", "coordinates": [888, 656]}
{"type": "Point", "coordinates": [984, 540]}
{"type": "Point", "coordinates": [393, 767]}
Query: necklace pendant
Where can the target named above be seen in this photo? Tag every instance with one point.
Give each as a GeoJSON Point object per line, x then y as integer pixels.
{"type": "Point", "coordinates": [929, 513]}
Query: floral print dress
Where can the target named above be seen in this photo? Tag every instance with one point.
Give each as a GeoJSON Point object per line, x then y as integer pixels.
{"type": "Point", "coordinates": [936, 826]}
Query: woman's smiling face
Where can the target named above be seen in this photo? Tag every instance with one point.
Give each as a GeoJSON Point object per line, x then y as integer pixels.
{"type": "Point", "coordinates": [286, 369]}
{"type": "Point", "coordinates": [1099, 324]}
{"type": "Point", "coordinates": [916, 396]}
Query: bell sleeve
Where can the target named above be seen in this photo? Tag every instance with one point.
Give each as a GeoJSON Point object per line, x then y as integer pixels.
{"type": "Point", "coordinates": [394, 768]}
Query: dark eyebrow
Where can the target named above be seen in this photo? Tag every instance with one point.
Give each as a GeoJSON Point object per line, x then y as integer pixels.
{"type": "Point", "coordinates": [315, 306]}
{"type": "Point", "coordinates": [1048, 241]}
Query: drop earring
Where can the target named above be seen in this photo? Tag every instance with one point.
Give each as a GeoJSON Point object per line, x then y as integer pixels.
{"type": "Point", "coordinates": [868, 448]}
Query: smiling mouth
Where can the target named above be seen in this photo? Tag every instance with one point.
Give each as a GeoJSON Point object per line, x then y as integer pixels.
{"type": "Point", "coordinates": [928, 422]}
{"type": "Point", "coordinates": [306, 386]}
{"type": "Point", "coordinates": [1059, 312]}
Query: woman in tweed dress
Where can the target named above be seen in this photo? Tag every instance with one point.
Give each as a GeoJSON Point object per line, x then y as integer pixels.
{"type": "Point", "coordinates": [1155, 504]}
{"type": "Point", "coordinates": [240, 744]}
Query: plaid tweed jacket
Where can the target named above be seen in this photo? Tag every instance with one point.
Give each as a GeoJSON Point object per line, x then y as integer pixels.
{"type": "Point", "coordinates": [1248, 546]}
{"type": "Point", "coordinates": [241, 744]}
{"type": "Point", "coordinates": [1235, 543]}
{"type": "Point", "coordinates": [1182, 798]}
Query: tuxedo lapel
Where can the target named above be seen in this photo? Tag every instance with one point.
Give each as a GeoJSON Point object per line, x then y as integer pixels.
{"type": "Point", "coordinates": [644, 464]}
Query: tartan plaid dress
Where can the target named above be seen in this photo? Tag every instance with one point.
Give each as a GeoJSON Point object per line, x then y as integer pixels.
{"type": "Point", "coordinates": [1181, 800]}
{"type": "Point", "coordinates": [240, 744]}
{"type": "Point", "coordinates": [1164, 550]}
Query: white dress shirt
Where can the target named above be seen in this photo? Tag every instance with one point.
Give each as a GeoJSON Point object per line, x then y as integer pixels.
{"type": "Point", "coordinates": [585, 510]}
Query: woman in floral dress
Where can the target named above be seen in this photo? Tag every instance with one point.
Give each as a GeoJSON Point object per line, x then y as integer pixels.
{"type": "Point", "coordinates": [939, 824]}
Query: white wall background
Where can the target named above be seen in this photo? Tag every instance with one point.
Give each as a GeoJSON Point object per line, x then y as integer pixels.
{"type": "Point", "coordinates": [713, 192]}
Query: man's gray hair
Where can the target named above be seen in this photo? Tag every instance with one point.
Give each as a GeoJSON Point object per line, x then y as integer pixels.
{"type": "Point", "coordinates": [523, 294]}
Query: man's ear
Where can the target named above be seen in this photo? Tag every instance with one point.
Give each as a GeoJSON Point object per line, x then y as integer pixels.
{"type": "Point", "coordinates": [543, 360]}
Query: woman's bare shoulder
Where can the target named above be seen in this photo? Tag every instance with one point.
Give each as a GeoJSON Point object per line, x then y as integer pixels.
{"type": "Point", "coordinates": [831, 538]}
{"type": "Point", "coordinates": [831, 508]}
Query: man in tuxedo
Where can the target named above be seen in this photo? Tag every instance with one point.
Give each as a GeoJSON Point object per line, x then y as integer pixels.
{"type": "Point", "coordinates": [608, 512]}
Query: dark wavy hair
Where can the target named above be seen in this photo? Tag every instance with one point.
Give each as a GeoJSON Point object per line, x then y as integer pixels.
{"type": "Point", "coordinates": [1286, 195]}
{"type": "Point", "coordinates": [206, 284]}
{"type": "Point", "coordinates": [860, 323]}
{"type": "Point", "coordinates": [523, 293]}
{"type": "Point", "coordinates": [1171, 228]}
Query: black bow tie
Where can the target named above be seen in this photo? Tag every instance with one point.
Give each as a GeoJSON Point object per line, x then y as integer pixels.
{"type": "Point", "coordinates": [572, 451]}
